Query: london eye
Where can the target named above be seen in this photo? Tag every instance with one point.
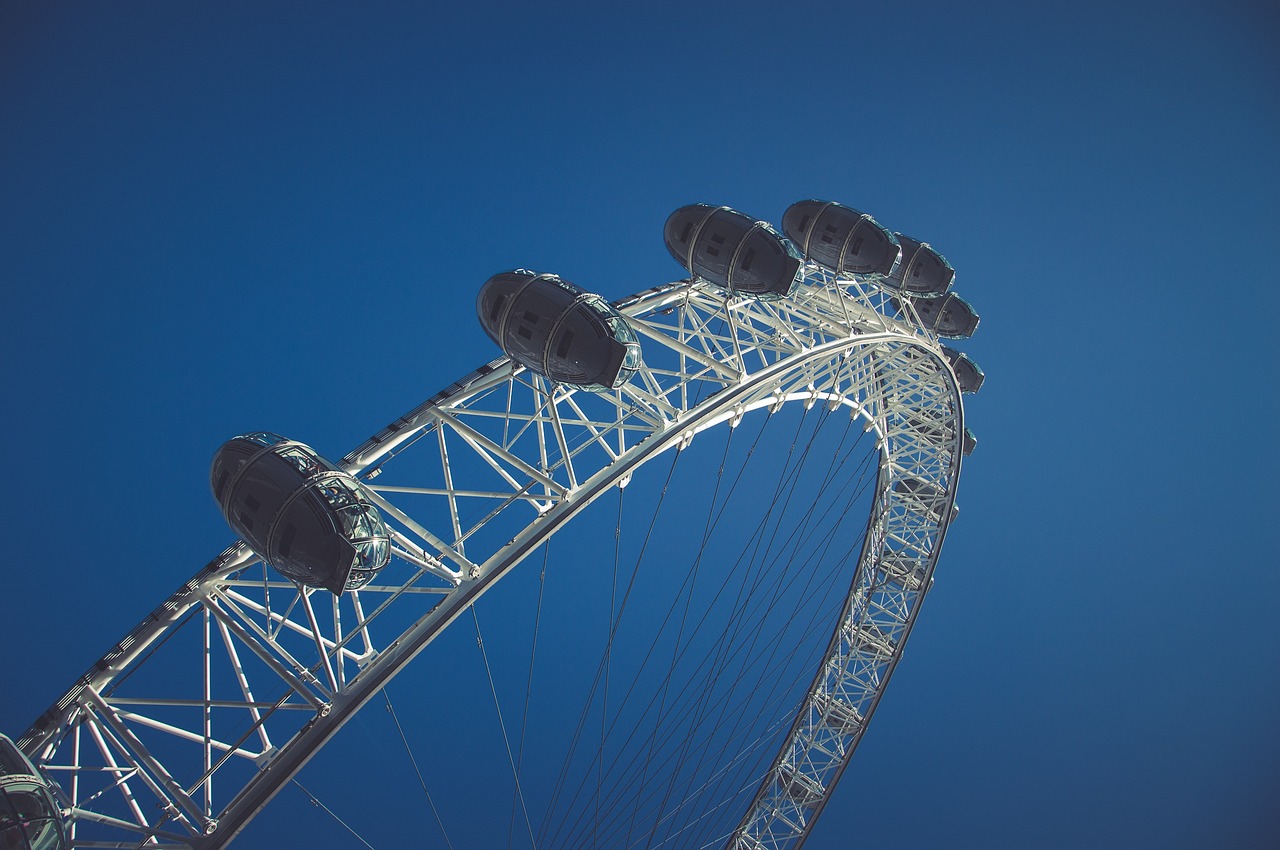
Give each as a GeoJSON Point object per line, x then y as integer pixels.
{"type": "Point", "coordinates": [815, 352]}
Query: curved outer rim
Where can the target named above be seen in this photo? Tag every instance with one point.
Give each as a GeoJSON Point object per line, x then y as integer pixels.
{"type": "Point", "coordinates": [766, 824]}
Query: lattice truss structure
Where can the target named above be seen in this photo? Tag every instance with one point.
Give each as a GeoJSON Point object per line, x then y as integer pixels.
{"type": "Point", "coordinates": [185, 729]}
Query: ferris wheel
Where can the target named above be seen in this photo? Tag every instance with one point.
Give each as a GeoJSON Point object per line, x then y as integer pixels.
{"type": "Point", "coordinates": [346, 571]}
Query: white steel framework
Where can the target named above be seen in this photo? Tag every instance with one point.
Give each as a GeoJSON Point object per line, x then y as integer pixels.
{"type": "Point", "coordinates": [471, 482]}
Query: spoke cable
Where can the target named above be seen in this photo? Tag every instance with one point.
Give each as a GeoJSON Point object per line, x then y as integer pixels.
{"type": "Point", "coordinates": [753, 746]}
{"type": "Point", "coordinates": [644, 663]}
{"type": "Point", "coordinates": [687, 591]}
{"type": "Point", "coordinates": [515, 774]}
{"type": "Point", "coordinates": [608, 660]}
{"type": "Point", "coordinates": [653, 646]}
{"type": "Point", "coordinates": [392, 711]}
{"type": "Point", "coordinates": [316, 802]}
{"type": "Point", "coordinates": [831, 472]}
{"type": "Point", "coordinates": [744, 657]}
{"type": "Point", "coordinates": [577, 733]}
{"type": "Point", "coordinates": [528, 689]}
{"type": "Point", "coordinates": [790, 534]}
{"type": "Point", "coordinates": [722, 652]}
{"type": "Point", "coordinates": [784, 478]}
{"type": "Point", "coordinates": [819, 614]}
{"type": "Point", "coordinates": [819, 623]}
{"type": "Point", "coordinates": [719, 669]}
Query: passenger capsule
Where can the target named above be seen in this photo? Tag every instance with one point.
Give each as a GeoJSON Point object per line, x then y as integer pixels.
{"type": "Point", "coordinates": [306, 518]}
{"type": "Point", "coordinates": [554, 328]}
{"type": "Point", "coordinates": [969, 443]}
{"type": "Point", "coordinates": [731, 250]}
{"type": "Point", "coordinates": [950, 316]}
{"type": "Point", "coordinates": [30, 817]}
{"type": "Point", "coordinates": [923, 272]}
{"type": "Point", "coordinates": [968, 374]}
{"type": "Point", "coordinates": [917, 487]}
{"type": "Point", "coordinates": [840, 238]}
{"type": "Point", "coordinates": [928, 495]}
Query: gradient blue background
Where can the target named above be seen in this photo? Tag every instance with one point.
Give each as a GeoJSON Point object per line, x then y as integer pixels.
{"type": "Point", "coordinates": [223, 217]}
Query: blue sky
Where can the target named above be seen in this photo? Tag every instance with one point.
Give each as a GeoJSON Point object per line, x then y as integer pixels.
{"type": "Point", "coordinates": [215, 219]}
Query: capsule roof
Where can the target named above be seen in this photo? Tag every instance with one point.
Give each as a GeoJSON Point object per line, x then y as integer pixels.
{"type": "Point", "coordinates": [554, 328]}
{"type": "Point", "coordinates": [308, 519]}
{"type": "Point", "coordinates": [731, 250]}
{"type": "Point", "coordinates": [841, 238]}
